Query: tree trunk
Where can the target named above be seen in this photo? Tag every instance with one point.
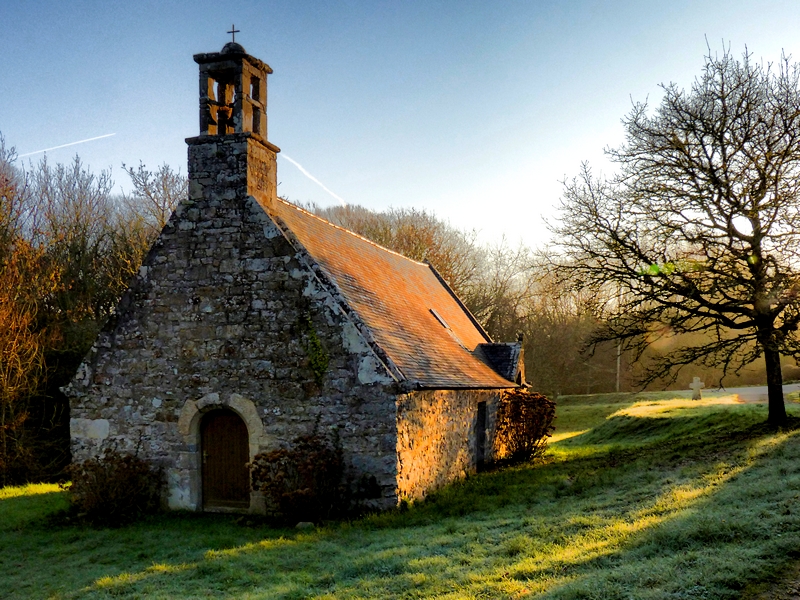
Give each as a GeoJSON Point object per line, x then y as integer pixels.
{"type": "Point", "coordinates": [777, 410]}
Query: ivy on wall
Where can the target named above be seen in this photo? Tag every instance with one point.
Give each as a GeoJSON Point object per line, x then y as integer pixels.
{"type": "Point", "coordinates": [318, 358]}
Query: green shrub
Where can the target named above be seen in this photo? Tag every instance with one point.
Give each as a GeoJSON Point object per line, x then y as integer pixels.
{"type": "Point", "coordinates": [304, 482]}
{"type": "Point", "coordinates": [114, 489]}
{"type": "Point", "coordinates": [524, 422]}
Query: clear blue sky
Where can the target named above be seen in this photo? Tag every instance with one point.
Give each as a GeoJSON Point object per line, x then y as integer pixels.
{"type": "Point", "coordinates": [472, 110]}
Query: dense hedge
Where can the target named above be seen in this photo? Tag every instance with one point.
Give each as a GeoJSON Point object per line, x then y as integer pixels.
{"type": "Point", "coordinates": [524, 422]}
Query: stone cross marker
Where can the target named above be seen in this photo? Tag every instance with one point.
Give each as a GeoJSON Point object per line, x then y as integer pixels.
{"type": "Point", "coordinates": [696, 386]}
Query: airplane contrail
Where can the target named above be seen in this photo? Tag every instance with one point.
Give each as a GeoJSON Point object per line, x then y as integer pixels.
{"type": "Point", "coordinates": [312, 178]}
{"type": "Point", "coordinates": [99, 137]}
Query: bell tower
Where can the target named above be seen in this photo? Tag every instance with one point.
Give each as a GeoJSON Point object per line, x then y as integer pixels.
{"type": "Point", "coordinates": [231, 156]}
{"type": "Point", "coordinates": [233, 92]}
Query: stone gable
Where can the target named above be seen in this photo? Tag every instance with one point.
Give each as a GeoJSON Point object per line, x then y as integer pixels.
{"type": "Point", "coordinates": [224, 306]}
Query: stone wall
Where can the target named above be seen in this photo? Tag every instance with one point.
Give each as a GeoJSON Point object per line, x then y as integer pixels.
{"type": "Point", "coordinates": [223, 313]}
{"type": "Point", "coordinates": [437, 437]}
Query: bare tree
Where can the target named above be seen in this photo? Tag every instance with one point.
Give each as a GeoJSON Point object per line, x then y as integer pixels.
{"type": "Point", "coordinates": [68, 249]}
{"type": "Point", "coordinates": [73, 217]}
{"type": "Point", "coordinates": [501, 291]}
{"type": "Point", "coordinates": [557, 325]}
{"type": "Point", "coordinates": [700, 229]}
{"type": "Point", "coordinates": [156, 193]}
{"type": "Point", "coordinates": [13, 188]}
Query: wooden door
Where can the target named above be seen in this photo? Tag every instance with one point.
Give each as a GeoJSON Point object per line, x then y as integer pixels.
{"type": "Point", "coordinates": [225, 451]}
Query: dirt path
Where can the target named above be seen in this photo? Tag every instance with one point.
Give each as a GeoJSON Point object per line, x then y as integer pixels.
{"type": "Point", "coordinates": [756, 393]}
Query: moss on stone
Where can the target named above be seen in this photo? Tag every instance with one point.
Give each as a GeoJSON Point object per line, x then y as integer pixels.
{"type": "Point", "coordinates": [318, 357]}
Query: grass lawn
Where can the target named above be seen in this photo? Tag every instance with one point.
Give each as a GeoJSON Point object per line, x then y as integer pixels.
{"type": "Point", "coordinates": [642, 496]}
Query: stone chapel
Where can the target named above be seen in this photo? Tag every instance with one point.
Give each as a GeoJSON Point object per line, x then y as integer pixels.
{"type": "Point", "coordinates": [252, 322]}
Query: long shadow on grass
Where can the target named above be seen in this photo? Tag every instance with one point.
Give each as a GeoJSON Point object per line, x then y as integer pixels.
{"type": "Point", "coordinates": [50, 559]}
{"type": "Point", "coordinates": [643, 508]}
{"type": "Point", "coordinates": [741, 527]}
{"type": "Point", "coordinates": [19, 511]}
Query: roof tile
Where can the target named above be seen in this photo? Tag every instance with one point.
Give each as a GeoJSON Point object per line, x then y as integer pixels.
{"type": "Point", "coordinates": [412, 315]}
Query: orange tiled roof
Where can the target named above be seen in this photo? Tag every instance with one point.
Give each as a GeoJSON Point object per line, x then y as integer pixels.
{"type": "Point", "coordinates": [412, 315]}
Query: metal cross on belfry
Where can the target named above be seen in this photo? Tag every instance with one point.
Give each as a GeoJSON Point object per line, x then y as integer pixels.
{"type": "Point", "coordinates": [233, 32]}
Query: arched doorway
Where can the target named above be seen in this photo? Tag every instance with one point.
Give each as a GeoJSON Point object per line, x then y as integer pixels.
{"type": "Point", "coordinates": [225, 451]}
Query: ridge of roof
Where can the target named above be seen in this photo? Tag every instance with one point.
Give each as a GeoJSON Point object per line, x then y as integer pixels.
{"type": "Point", "coordinates": [353, 233]}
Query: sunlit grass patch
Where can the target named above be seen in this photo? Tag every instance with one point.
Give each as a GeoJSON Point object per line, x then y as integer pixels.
{"type": "Point", "coordinates": [120, 580]}
{"type": "Point", "coordinates": [115, 582]}
{"type": "Point", "coordinates": [22, 504]}
{"type": "Point", "coordinates": [29, 489]}
{"type": "Point", "coordinates": [578, 414]}
{"type": "Point", "coordinates": [165, 568]}
{"type": "Point", "coordinates": [563, 435]}
{"type": "Point", "coordinates": [662, 408]}
{"type": "Point", "coordinates": [262, 545]}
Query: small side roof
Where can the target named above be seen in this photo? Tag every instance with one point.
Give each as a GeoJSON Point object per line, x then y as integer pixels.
{"type": "Point", "coordinates": [504, 357]}
{"type": "Point", "coordinates": [412, 314]}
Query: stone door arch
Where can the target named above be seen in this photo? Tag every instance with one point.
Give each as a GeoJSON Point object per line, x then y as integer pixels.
{"type": "Point", "coordinates": [224, 447]}
{"type": "Point", "coordinates": [185, 479]}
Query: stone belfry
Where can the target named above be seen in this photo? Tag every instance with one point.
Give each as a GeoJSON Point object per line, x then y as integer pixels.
{"type": "Point", "coordinates": [231, 158]}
